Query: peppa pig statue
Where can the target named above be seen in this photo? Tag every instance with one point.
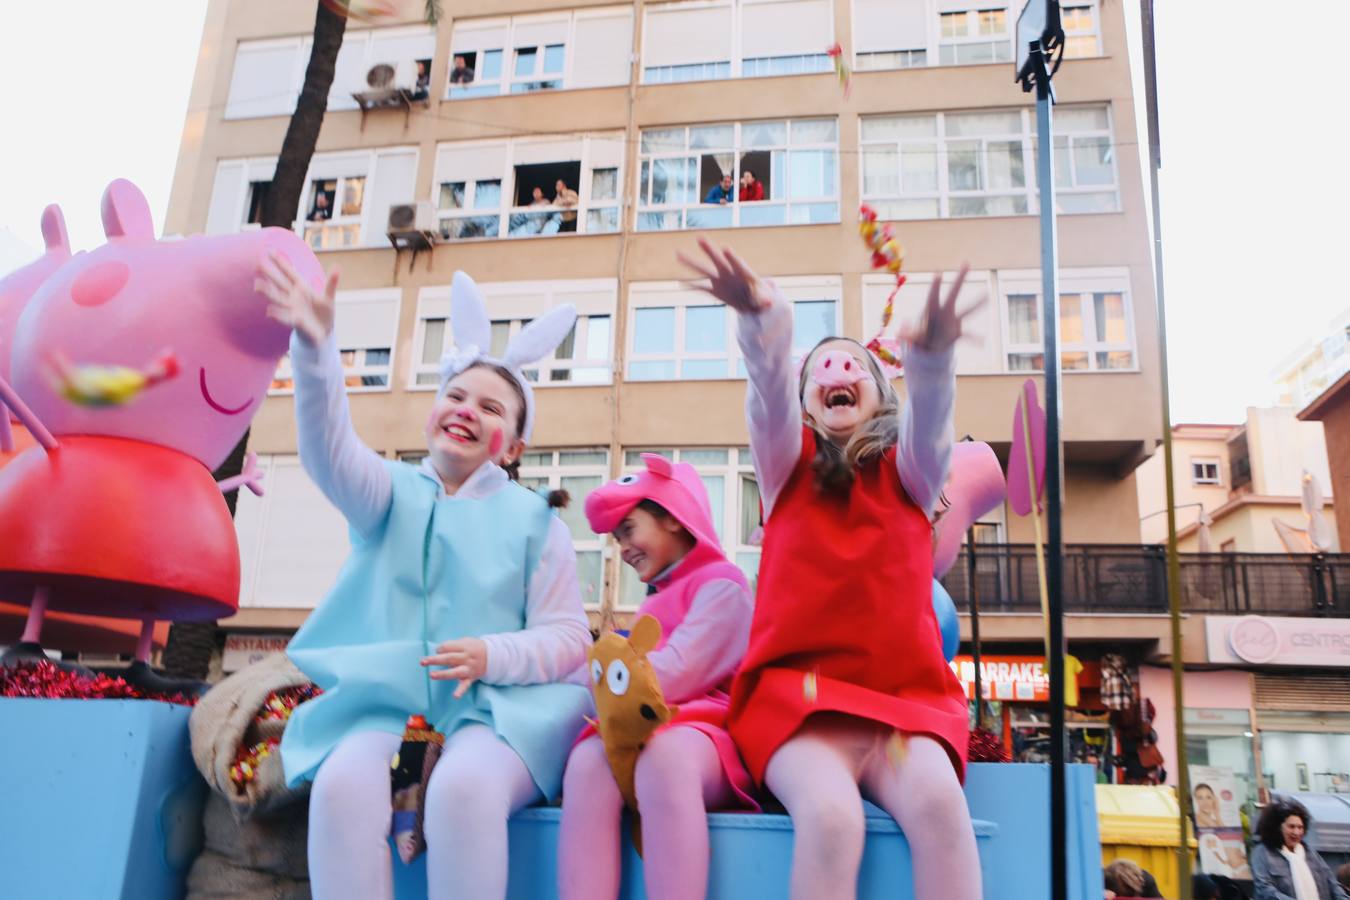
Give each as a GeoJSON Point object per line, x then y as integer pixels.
{"type": "Point", "coordinates": [114, 511]}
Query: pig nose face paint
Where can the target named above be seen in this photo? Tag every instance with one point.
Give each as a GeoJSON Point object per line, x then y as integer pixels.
{"type": "Point", "coordinates": [841, 393]}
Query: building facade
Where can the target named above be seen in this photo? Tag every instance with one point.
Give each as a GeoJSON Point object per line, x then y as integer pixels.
{"type": "Point", "coordinates": [641, 109]}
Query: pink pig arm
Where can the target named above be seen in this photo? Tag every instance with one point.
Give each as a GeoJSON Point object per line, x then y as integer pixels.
{"type": "Point", "coordinates": [26, 416]}
{"type": "Point", "coordinates": [250, 478]}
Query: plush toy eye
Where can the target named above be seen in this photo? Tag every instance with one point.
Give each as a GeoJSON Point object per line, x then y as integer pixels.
{"type": "Point", "coordinates": [597, 671]}
{"type": "Point", "coordinates": [618, 678]}
{"type": "Point", "coordinates": [628, 479]}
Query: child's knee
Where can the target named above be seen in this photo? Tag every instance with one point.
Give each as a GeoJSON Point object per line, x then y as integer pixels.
{"type": "Point", "coordinates": [669, 767]}
{"type": "Point", "coordinates": [588, 777]}
{"type": "Point", "coordinates": [830, 828]}
{"type": "Point", "coordinates": [461, 794]}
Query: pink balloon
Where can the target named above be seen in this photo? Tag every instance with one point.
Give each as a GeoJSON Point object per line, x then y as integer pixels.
{"type": "Point", "coordinates": [1019, 488]}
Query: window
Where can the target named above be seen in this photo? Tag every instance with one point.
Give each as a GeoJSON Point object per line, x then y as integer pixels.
{"type": "Point", "coordinates": [701, 40]}
{"type": "Point", "coordinates": [1096, 331]}
{"type": "Point", "coordinates": [292, 541]}
{"type": "Point", "coordinates": [529, 188]}
{"type": "Point", "coordinates": [345, 202]}
{"type": "Point", "coordinates": [1082, 38]}
{"type": "Point", "coordinates": [951, 165]}
{"type": "Point", "coordinates": [679, 334]}
{"type": "Point", "coordinates": [578, 472]}
{"type": "Point", "coordinates": [268, 74]}
{"type": "Point", "coordinates": [1205, 471]}
{"type": "Point", "coordinates": [696, 177]}
{"type": "Point", "coordinates": [366, 326]}
{"type": "Point", "coordinates": [584, 357]}
{"type": "Point", "coordinates": [733, 494]}
{"type": "Point", "coordinates": [981, 355]}
{"type": "Point", "coordinates": [553, 51]}
{"type": "Point", "coordinates": [974, 36]}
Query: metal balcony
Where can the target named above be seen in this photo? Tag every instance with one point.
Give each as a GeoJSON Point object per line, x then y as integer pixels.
{"type": "Point", "coordinates": [1130, 578]}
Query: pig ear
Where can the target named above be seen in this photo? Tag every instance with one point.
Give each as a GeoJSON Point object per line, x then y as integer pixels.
{"type": "Point", "coordinates": [468, 314]}
{"type": "Point", "coordinates": [646, 634]}
{"type": "Point", "coordinates": [125, 212]}
{"type": "Point", "coordinates": [658, 465]}
{"type": "Point", "coordinates": [54, 231]}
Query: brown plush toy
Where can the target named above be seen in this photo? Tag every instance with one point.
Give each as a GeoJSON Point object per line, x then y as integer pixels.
{"type": "Point", "coordinates": [628, 704]}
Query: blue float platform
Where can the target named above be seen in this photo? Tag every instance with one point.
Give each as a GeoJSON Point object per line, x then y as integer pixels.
{"type": "Point", "coordinates": [98, 799]}
{"type": "Point", "coordinates": [752, 854]}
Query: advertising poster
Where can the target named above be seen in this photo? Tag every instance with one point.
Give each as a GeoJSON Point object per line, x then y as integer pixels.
{"type": "Point", "coordinates": [1218, 820]}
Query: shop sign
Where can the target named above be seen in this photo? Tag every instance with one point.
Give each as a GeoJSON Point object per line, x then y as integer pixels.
{"type": "Point", "coordinates": [1229, 718]}
{"type": "Point", "coordinates": [1278, 641]}
{"type": "Point", "coordinates": [1012, 678]}
{"type": "Point", "coordinates": [243, 650]}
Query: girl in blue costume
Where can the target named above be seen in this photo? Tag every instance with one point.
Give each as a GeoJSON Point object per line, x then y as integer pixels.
{"type": "Point", "coordinates": [459, 602]}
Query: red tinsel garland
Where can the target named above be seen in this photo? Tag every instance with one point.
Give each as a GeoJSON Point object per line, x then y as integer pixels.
{"type": "Point", "coordinates": [43, 680]}
{"type": "Point", "coordinates": [985, 746]}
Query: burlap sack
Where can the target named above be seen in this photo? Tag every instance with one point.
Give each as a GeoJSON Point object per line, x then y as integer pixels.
{"type": "Point", "coordinates": [224, 719]}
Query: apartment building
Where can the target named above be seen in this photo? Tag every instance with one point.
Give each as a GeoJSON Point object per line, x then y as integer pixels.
{"type": "Point", "coordinates": [641, 109]}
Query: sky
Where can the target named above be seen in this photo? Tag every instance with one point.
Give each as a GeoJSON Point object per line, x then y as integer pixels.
{"type": "Point", "coordinates": [1255, 182]}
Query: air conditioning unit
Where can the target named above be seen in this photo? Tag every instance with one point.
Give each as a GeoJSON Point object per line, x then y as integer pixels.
{"type": "Point", "coordinates": [405, 75]}
{"type": "Point", "coordinates": [412, 217]}
{"type": "Point", "coordinates": [381, 77]}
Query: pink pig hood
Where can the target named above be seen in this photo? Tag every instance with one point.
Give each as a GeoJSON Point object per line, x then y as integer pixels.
{"type": "Point", "coordinates": [127, 302]}
{"type": "Point", "coordinates": [676, 486]}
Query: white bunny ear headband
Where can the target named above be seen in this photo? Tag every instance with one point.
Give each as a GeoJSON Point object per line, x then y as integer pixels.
{"type": "Point", "coordinates": [473, 339]}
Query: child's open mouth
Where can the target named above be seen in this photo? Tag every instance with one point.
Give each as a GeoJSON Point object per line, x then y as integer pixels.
{"type": "Point", "coordinates": [460, 433]}
{"type": "Point", "coordinates": [836, 397]}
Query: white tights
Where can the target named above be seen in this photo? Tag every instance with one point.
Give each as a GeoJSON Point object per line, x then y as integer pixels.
{"type": "Point", "coordinates": [821, 775]}
{"type": "Point", "coordinates": [476, 786]}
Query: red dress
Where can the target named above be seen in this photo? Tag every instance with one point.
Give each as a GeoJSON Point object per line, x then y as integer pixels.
{"type": "Point", "coordinates": [845, 593]}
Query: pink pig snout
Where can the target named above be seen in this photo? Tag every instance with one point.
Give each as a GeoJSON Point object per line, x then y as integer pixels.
{"type": "Point", "coordinates": [837, 368]}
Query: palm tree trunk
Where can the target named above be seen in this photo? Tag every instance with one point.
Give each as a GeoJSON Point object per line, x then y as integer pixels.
{"type": "Point", "coordinates": [190, 645]}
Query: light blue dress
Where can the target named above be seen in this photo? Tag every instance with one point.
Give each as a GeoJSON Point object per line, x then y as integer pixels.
{"type": "Point", "coordinates": [437, 567]}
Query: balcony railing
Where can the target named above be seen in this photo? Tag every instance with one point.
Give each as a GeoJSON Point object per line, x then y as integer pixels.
{"type": "Point", "coordinates": [1129, 578]}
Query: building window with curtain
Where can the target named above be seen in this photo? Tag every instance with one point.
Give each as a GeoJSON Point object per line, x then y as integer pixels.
{"type": "Point", "coordinates": [578, 472]}
{"type": "Point", "coordinates": [1096, 330]}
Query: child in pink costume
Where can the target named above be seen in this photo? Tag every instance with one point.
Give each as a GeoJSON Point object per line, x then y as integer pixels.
{"type": "Point", "coordinates": [844, 693]}
{"type": "Point", "coordinates": [663, 523]}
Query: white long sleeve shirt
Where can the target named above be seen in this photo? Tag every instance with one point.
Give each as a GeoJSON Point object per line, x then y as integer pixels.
{"type": "Point", "coordinates": [353, 477]}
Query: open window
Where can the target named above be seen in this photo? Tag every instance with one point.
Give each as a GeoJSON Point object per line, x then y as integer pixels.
{"type": "Point", "coordinates": [258, 192]}
{"type": "Point", "coordinates": [333, 211]}
{"type": "Point", "coordinates": [546, 198]}
{"type": "Point", "coordinates": [543, 52]}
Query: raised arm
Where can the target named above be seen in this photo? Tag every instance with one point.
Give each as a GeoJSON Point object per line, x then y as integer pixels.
{"type": "Point", "coordinates": [349, 473]}
{"type": "Point", "coordinates": [764, 332]}
{"type": "Point", "coordinates": [924, 447]}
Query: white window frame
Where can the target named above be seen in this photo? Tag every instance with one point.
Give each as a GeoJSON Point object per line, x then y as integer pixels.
{"type": "Point", "coordinates": [734, 67]}
{"type": "Point", "coordinates": [553, 472]}
{"type": "Point", "coordinates": [709, 215]}
{"type": "Point", "coordinates": [317, 233]}
{"type": "Point", "coordinates": [506, 82]}
{"type": "Point", "coordinates": [672, 294]}
{"type": "Point", "coordinates": [589, 210]}
{"type": "Point", "coordinates": [736, 466]}
{"type": "Point", "coordinates": [361, 369]}
{"type": "Point", "coordinates": [517, 302]}
{"type": "Point", "coordinates": [892, 206]}
{"type": "Point", "coordinates": [1095, 33]}
{"type": "Point", "coordinates": [1001, 42]}
{"type": "Point", "coordinates": [1081, 282]}
{"type": "Point", "coordinates": [291, 89]}
{"type": "Point", "coordinates": [981, 355]}
{"type": "Point", "coordinates": [1198, 463]}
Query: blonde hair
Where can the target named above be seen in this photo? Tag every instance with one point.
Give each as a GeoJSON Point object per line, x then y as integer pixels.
{"type": "Point", "coordinates": [834, 465]}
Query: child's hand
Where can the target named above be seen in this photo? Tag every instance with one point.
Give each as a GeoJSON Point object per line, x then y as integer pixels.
{"type": "Point", "coordinates": [940, 325]}
{"type": "Point", "coordinates": [729, 279]}
{"type": "Point", "coordinates": [465, 659]}
{"type": "Point", "coordinates": [293, 302]}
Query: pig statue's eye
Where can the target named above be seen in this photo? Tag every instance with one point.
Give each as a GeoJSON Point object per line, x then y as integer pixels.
{"type": "Point", "coordinates": [597, 671]}
{"type": "Point", "coordinates": [618, 678]}
{"type": "Point", "coordinates": [628, 479]}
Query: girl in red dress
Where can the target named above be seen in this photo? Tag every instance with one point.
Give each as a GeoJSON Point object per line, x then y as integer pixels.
{"type": "Point", "coordinates": [844, 693]}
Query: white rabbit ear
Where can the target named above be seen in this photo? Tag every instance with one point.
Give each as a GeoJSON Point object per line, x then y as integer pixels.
{"type": "Point", "coordinates": [468, 314]}
{"type": "Point", "coordinates": [538, 339]}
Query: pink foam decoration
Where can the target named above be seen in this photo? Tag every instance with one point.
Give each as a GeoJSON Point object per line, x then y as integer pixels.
{"type": "Point", "coordinates": [1019, 488]}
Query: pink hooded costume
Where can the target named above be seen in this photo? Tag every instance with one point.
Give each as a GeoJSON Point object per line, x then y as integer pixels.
{"type": "Point", "coordinates": [703, 603]}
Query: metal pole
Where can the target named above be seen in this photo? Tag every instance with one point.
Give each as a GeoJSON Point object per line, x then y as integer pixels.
{"type": "Point", "coordinates": [1054, 487]}
{"type": "Point", "coordinates": [1173, 561]}
{"type": "Point", "coordinates": [974, 624]}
